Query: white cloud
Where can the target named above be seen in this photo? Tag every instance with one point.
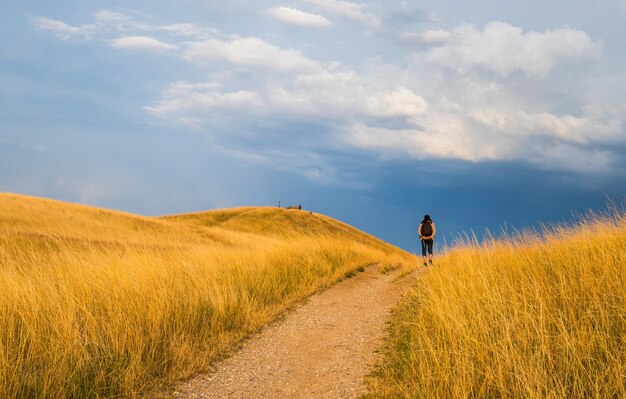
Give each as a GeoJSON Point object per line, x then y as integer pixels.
{"type": "Point", "coordinates": [187, 30]}
{"type": "Point", "coordinates": [141, 43]}
{"type": "Point", "coordinates": [294, 16]}
{"type": "Point", "coordinates": [543, 140]}
{"type": "Point", "coordinates": [247, 52]}
{"type": "Point", "coordinates": [503, 48]}
{"type": "Point", "coordinates": [188, 102]}
{"type": "Point", "coordinates": [63, 30]}
{"type": "Point", "coordinates": [345, 96]}
{"type": "Point", "coordinates": [355, 11]}
{"type": "Point", "coordinates": [400, 102]}
{"type": "Point", "coordinates": [333, 97]}
{"type": "Point", "coordinates": [111, 16]}
{"type": "Point", "coordinates": [475, 129]}
{"type": "Point", "coordinates": [108, 24]}
{"type": "Point", "coordinates": [426, 38]}
{"type": "Point", "coordinates": [466, 93]}
{"type": "Point", "coordinates": [572, 129]}
{"type": "Point", "coordinates": [448, 142]}
{"type": "Point", "coordinates": [388, 111]}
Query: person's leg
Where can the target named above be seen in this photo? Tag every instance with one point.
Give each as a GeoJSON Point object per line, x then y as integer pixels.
{"type": "Point", "coordinates": [424, 251]}
{"type": "Point", "coordinates": [430, 251]}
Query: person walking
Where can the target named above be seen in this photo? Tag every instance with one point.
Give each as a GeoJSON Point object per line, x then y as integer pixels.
{"type": "Point", "coordinates": [426, 233]}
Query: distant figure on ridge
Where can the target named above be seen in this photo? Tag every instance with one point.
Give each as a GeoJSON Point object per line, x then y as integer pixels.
{"type": "Point", "coordinates": [427, 232]}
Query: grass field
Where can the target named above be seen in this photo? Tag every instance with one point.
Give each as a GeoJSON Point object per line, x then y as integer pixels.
{"type": "Point", "coordinates": [531, 316]}
{"type": "Point", "coordinates": [96, 303]}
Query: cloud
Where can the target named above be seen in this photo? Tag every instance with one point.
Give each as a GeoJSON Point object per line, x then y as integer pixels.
{"type": "Point", "coordinates": [188, 102]}
{"type": "Point", "coordinates": [476, 129]}
{"type": "Point", "coordinates": [344, 95]}
{"type": "Point", "coordinates": [384, 109]}
{"type": "Point", "coordinates": [141, 43]}
{"type": "Point", "coordinates": [63, 30]}
{"type": "Point", "coordinates": [465, 93]}
{"type": "Point", "coordinates": [502, 49]}
{"type": "Point", "coordinates": [454, 138]}
{"type": "Point", "coordinates": [355, 11]}
{"type": "Point", "coordinates": [247, 52]}
{"type": "Point", "coordinates": [110, 24]}
{"type": "Point", "coordinates": [294, 16]}
{"type": "Point", "coordinates": [200, 45]}
{"type": "Point", "coordinates": [401, 102]}
{"type": "Point", "coordinates": [426, 38]}
{"type": "Point", "coordinates": [115, 22]}
{"type": "Point", "coordinates": [109, 16]}
{"type": "Point", "coordinates": [187, 30]}
{"type": "Point", "coordinates": [580, 130]}
{"type": "Point", "coordinates": [331, 97]}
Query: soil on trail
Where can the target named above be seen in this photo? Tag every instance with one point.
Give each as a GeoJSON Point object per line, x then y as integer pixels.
{"type": "Point", "coordinates": [322, 349]}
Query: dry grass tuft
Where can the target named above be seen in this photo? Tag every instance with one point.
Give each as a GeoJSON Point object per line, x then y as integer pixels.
{"type": "Point", "coordinates": [96, 303]}
{"type": "Point", "coordinates": [532, 316]}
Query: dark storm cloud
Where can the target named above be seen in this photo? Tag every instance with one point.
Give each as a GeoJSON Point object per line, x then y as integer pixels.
{"type": "Point", "coordinates": [464, 196]}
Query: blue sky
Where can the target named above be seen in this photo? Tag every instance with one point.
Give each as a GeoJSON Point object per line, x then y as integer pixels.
{"type": "Point", "coordinates": [480, 113]}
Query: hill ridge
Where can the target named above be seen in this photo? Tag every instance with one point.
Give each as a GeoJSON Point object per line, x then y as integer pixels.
{"type": "Point", "coordinates": [255, 220]}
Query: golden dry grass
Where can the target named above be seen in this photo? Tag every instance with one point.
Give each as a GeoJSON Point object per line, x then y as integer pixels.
{"type": "Point", "coordinates": [532, 316]}
{"type": "Point", "coordinates": [96, 303]}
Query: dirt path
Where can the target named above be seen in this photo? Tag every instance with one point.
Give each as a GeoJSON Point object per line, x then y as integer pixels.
{"type": "Point", "coordinates": [322, 349]}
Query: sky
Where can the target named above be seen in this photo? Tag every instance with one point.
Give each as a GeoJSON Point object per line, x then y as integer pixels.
{"type": "Point", "coordinates": [485, 114]}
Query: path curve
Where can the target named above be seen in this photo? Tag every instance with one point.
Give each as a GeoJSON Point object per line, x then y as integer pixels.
{"type": "Point", "coordinates": [322, 349]}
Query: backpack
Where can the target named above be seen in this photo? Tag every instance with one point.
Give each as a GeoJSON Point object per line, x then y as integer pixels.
{"type": "Point", "coordinates": [427, 229]}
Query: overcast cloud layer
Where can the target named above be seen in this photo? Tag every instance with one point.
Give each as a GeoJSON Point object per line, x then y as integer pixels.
{"type": "Point", "coordinates": [316, 88]}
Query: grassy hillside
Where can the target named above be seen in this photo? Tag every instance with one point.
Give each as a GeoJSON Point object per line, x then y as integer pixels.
{"type": "Point", "coordinates": [526, 317]}
{"type": "Point", "coordinates": [96, 303]}
{"type": "Point", "coordinates": [278, 223]}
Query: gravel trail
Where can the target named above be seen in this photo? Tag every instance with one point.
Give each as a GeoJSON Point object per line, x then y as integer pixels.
{"type": "Point", "coordinates": [322, 349]}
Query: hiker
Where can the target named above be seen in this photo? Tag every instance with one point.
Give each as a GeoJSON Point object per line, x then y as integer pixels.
{"type": "Point", "coordinates": [427, 232]}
